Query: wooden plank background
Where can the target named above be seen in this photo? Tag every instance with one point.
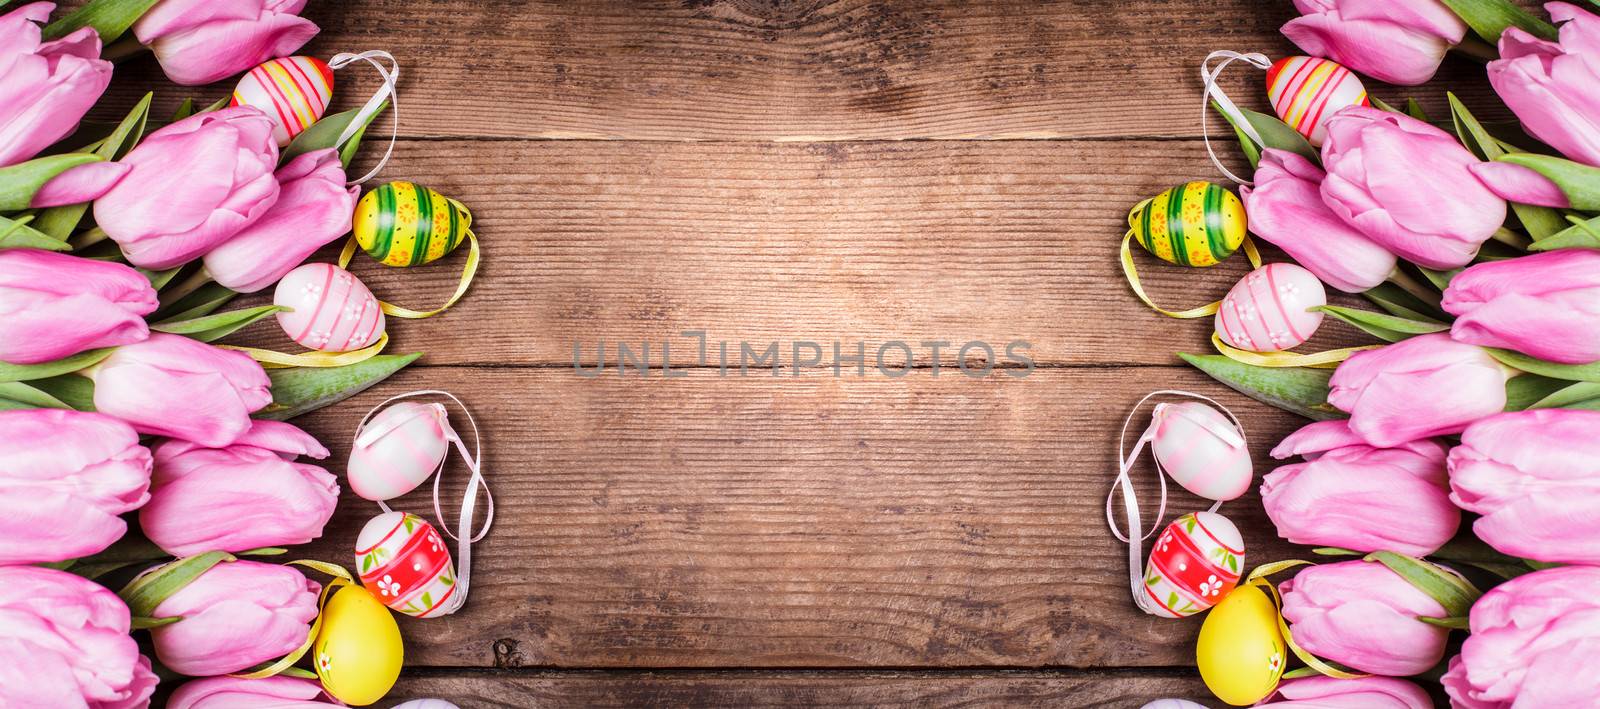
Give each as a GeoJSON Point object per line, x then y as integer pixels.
{"type": "Point", "coordinates": [856, 170]}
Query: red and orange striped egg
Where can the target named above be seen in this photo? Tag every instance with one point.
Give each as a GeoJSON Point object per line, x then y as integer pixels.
{"type": "Point", "coordinates": [404, 563]}
{"type": "Point", "coordinates": [1270, 309]}
{"type": "Point", "coordinates": [1194, 564]}
{"type": "Point", "coordinates": [1306, 91]}
{"type": "Point", "coordinates": [293, 91]}
{"type": "Point", "coordinates": [329, 309]}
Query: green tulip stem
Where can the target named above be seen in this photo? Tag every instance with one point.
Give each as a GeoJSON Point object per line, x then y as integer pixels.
{"type": "Point", "coordinates": [89, 238]}
{"type": "Point", "coordinates": [175, 292]}
{"type": "Point", "coordinates": [122, 50]}
{"type": "Point", "coordinates": [1478, 49]}
{"type": "Point", "coordinates": [1511, 238]}
{"type": "Point", "coordinates": [1414, 287]}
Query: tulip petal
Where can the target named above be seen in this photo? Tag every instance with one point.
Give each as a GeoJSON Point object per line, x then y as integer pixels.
{"type": "Point", "coordinates": [1519, 184]}
{"type": "Point", "coordinates": [79, 184]}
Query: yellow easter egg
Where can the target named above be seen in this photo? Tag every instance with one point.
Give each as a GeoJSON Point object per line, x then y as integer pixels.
{"type": "Point", "coordinates": [357, 652]}
{"type": "Point", "coordinates": [406, 224]}
{"type": "Point", "coordinates": [1194, 224]}
{"type": "Point", "coordinates": [1241, 652]}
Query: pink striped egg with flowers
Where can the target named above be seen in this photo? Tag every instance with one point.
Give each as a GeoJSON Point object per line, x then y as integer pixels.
{"type": "Point", "coordinates": [404, 562]}
{"type": "Point", "coordinates": [293, 91]}
{"type": "Point", "coordinates": [397, 449]}
{"type": "Point", "coordinates": [1270, 309]}
{"type": "Point", "coordinates": [1201, 449]}
{"type": "Point", "coordinates": [1306, 91]}
{"type": "Point", "coordinates": [1194, 564]}
{"type": "Point", "coordinates": [329, 309]}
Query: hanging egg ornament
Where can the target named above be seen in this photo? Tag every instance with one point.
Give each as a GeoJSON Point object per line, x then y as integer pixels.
{"type": "Point", "coordinates": [1201, 449]}
{"type": "Point", "coordinates": [1194, 224]}
{"type": "Point", "coordinates": [404, 562]}
{"type": "Point", "coordinates": [1159, 704]}
{"type": "Point", "coordinates": [1270, 309]}
{"type": "Point", "coordinates": [292, 91]}
{"type": "Point", "coordinates": [426, 704]}
{"type": "Point", "coordinates": [329, 309]}
{"type": "Point", "coordinates": [405, 224]}
{"type": "Point", "coordinates": [358, 652]}
{"type": "Point", "coordinates": [397, 449]}
{"type": "Point", "coordinates": [1306, 91]}
{"type": "Point", "coordinates": [1195, 563]}
{"type": "Point", "coordinates": [1241, 652]}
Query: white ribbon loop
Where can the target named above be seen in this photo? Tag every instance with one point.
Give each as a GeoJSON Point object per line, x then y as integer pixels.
{"type": "Point", "coordinates": [389, 91]}
{"type": "Point", "coordinates": [1209, 77]}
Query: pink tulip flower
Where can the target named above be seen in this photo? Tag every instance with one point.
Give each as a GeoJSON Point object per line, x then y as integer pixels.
{"type": "Point", "coordinates": [45, 87]}
{"type": "Point", "coordinates": [1544, 305]}
{"type": "Point", "coordinates": [1286, 208]}
{"type": "Point", "coordinates": [54, 305]}
{"type": "Point", "coordinates": [236, 693]}
{"type": "Point", "coordinates": [1426, 386]}
{"type": "Point", "coordinates": [1354, 496]}
{"type": "Point", "coordinates": [201, 41]}
{"type": "Point", "coordinates": [1361, 693]}
{"type": "Point", "coordinates": [65, 476]}
{"type": "Point", "coordinates": [314, 207]}
{"type": "Point", "coordinates": [1551, 85]}
{"type": "Point", "coordinates": [1364, 616]}
{"type": "Point", "coordinates": [1408, 186]}
{"type": "Point", "coordinates": [1398, 41]}
{"type": "Point", "coordinates": [248, 495]}
{"type": "Point", "coordinates": [170, 385]}
{"type": "Point", "coordinates": [191, 186]}
{"type": "Point", "coordinates": [1534, 476]}
{"type": "Point", "coordinates": [236, 615]}
{"type": "Point", "coordinates": [64, 643]}
{"type": "Point", "coordinates": [1535, 641]}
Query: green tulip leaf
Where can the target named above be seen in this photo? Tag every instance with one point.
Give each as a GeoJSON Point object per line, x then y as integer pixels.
{"type": "Point", "coordinates": [71, 389]}
{"type": "Point", "coordinates": [1581, 235]}
{"type": "Point", "coordinates": [297, 390]}
{"type": "Point", "coordinates": [159, 279]}
{"type": "Point", "coordinates": [1299, 390]}
{"type": "Point", "coordinates": [1414, 110]}
{"type": "Point", "coordinates": [1528, 389]}
{"type": "Point", "coordinates": [19, 395]}
{"type": "Point", "coordinates": [110, 18]}
{"type": "Point", "coordinates": [322, 134]}
{"type": "Point", "coordinates": [185, 110]}
{"type": "Point", "coordinates": [210, 328]}
{"type": "Point", "coordinates": [142, 623]}
{"type": "Point", "coordinates": [1275, 133]}
{"type": "Point", "coordinates": [1398, 302]}
{"type": "Point", "coordinates": [1382, 105]}
{"type": "Point", "coordinates": [147, 591]}
{"type": "Point", "coordinates": [1581, 183]}
{"type": "Point", "coordinates": [1541, 222]}
{"type": "Point", "coordinates": [1570, 395]}
{"type": "Point", "coordinates": [1390, 328]}
{"type": "Point", "coordinates": [1456, 594]}
{"type": "Point", "coordinates": [1571, 372]}
{"type": "Point", "coordinates": [1439, 279]}
{"type": "Point", "coordinates": [20, 182]}
{"type": "Point", "coordinates": [203, 301]}
{"type": "Point", "coordinates": [1334, 551]}
{"type": "Point", "coordinates": [1453, 623]}
{"type": "Point", "coordinates": [20, 234]}
{"type": "Point", "coordinates": [1490, 18]}
{"type": "Point", "coordinates": [28, 372]}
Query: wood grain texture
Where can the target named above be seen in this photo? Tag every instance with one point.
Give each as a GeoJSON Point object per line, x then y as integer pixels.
{"type": "Point", "coordinates": [805, 70]}
{"type": "Point", "coordinates": [799, 522]}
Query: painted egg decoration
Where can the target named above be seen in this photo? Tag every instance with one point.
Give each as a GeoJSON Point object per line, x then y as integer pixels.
{"type": "Point", "coordinates": [405, 224]}
{"type": "Point", "coordinates": [1270, 309]}
{"type": "Point", "coordinates": [1201, 449]}
{"type": "Point", "coordinates": [293, 91]}
{"type": "Point", "coordinates": [1194, 224]}
{"type": "Point", "coordinates": [426, 704]}
{"type": "Point", "coordinates": [1306, 91]}
{"type": "Point", "coordinates": [1241, 652]}
{"type": "Point", "coordinates": [1195, 563]}
{"type": "Point", "coordinates": [358, 652]}
{"type": "Point", "coordinates": [1173, 704]}
{"type": "Point", "coordinates": [404, 562]}
{"type": "Point", "coordinates": [329, 309]}
{"type": "Point", "coordinates": [398, 449]}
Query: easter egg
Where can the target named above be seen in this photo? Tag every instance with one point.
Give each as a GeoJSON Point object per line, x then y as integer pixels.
{"type": "Point", "coordinates": [1270, 309]}
{"type": "Point", "coordinates": [404, 562]}
{"type": "Point", "coordinates": [329, 309]}
{"type": "Point", "coordinates": [426, 704]}
{"type": "Point", "coordinates": [1241, 651]}
{"type": "Point", "coordinates": [1194, 224]}
{"type": "Point", "coordinates": [397, 450]}
{"type": "Point", "coordinates": [1172, 704]}
{"type": "Point", "coordinates": [1306, 91]}
{"type": "Point", "coordinates": [357, 652]}
{"type": "Point", "coordinates": [1195, 562]}
{"type": "Point", "coordinates": [292, 91]}
{"type": "Point", "coordinates": [1201, 449]}
{"type": "Point", "coordinates": [404, 224]}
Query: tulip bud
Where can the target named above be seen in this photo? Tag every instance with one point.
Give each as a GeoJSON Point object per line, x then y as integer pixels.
{"type": "Point", "coordinates": [235, 615]}
{"type": "Point", "coordinates": [1398, 41]}
{"type": "Point", "coordinates": [54, 305]}
{"type": "Point", "coordinates": [1286, 208]}
{"type": "Point", "coordinates": [64, 643]}
{"type": "Point", "coordinates": [1534, 641]}
{"type": "Point", "coordinates": [1551, 85]}
{"type": "Point", "coordinates": [1354, 496]}
{"type": "Point", "coordinates": [248, 495]}
{"type": "Point", "coordinates": [238, 693]}
{"type": "Point", "coordinates": [191, 186]}
{"type": "Point", "coordinates": [1359, 693]}
{"type": "Point", "coordinates": [1425, 386]}
{"type": "Point", "coordinates": [1544, 305]}
{"type": "Point", "coordinates": [1364, 616]}
{"type": "Point", "coordinates": [201, 41]}
{"type": "Point", "coordinates": [314, 207]}
{"type": "Point", "coordinates": [1408, 186]}
{"type": "Point", "coordinates": [65, 476]}
{"type": "Point", "coordinates": [170, 385]}
{"type": "Point", "coordinates": [45, 87]}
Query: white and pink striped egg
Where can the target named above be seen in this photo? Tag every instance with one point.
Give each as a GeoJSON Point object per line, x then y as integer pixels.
{"type": "Point", "coordinates": [1201, 449]}
{"type": "Point", "coordinates": [1270, 309]}
{"type": "Point", "coordinates": [1306, 91]}
{"type": "Point", "coordinates": [330, 309]}
{"type": "Point", "coordinates": [398, 449]}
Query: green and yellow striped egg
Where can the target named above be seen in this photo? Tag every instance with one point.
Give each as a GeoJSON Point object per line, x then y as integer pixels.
{"type": "Point", "coordinates": [405, 224]}
{"type": "Point", "coordinates": [1194, 224]}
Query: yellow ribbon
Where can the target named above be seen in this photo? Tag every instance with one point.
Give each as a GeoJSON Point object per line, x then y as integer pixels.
{"type": "Point", "coordinates": [467, 272]}
{"type": "Point", "coordinates": [1132, 273]}
{"type": "Point", "coordinates": [341, 578]}
{"type": "Point", "coordinates": [271, 359]}
{"type": "Point", "coordinates": [1329, 359]}
{"type": "Point", "coordinates": [1258, 578]}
